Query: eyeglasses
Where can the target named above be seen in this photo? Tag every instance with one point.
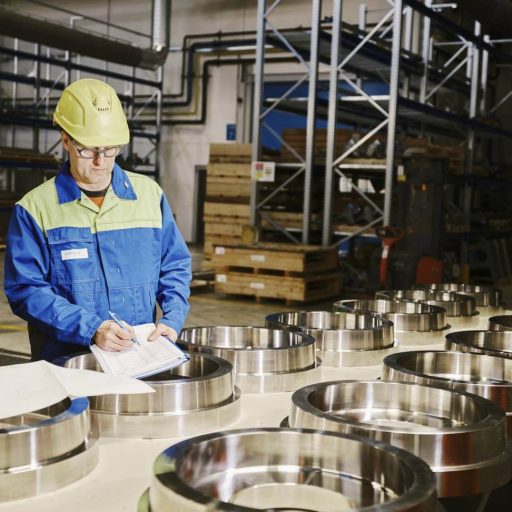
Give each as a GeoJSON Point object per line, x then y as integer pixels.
{"type": "Point", "coordinates": [90, 153]}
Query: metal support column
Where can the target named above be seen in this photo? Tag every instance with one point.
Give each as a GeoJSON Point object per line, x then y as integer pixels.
{"type": "Point", "coordinates": [473, 105]}
{"type": "Point", "coordinates": [393, 108]}
{"type": "Point", "coordinates": [257, 103]}
{"type": "Point", "coordinates": [332, 120]}
{"type": "Point", "coordinates": [425, 53]}
{"type": "Point", "coordinates": [311, 117]}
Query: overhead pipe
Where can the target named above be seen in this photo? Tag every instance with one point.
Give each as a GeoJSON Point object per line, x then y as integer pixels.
{"type": "Point", "coordinates": [204, 86]}
{"type": "Point", "coordinates": [84, 43]}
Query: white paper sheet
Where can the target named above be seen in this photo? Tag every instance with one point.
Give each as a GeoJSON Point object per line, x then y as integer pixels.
{"type": "Point", "coordinates": [31, 386]}
{"type": "Point", "coordinates": [91, 383]}
{"type": "Point", "coordinates": [28, 387]}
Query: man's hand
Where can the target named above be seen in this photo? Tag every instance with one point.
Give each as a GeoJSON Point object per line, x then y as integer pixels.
{"type": "Point", "coordinates": [163, 330]}
{"type": "Point", "coordinates": [112, 338]}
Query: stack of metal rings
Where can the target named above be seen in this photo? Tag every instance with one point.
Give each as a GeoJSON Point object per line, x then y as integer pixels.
{"type": "Point", "coordinates": [196, 397]}
{"type": "Point", "coordinates": [44, 450]}
{"type": "Point", "coordinates": [264, 360]}
{"type": "Point", "coordinates": [282, 469]}
{"type": "Point", "coordinates": [342, 339]}
{"type": "Point", "coordinates": [415, 323]}
{"type": "Point", "coordinates": [460, 308]}
{"type": "Point", "coordinates": [486, 376]}
{"type": "Point", "coordinates": [461, 436]}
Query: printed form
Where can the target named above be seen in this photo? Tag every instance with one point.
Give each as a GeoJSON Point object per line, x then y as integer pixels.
{"type": "Point", "coordinates": [142, 360]}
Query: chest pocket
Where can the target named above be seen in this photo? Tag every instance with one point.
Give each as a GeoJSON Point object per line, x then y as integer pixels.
{"type": "Point", "coordinates": [73, 255]}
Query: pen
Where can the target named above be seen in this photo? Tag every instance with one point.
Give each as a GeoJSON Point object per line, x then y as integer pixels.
{"type": "Point", "coordinates": [123, 325]}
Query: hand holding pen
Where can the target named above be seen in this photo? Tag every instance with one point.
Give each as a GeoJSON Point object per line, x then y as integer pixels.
{"type": "Point", "coordinates": [123, 326]}
{"type": "Point", "coordinates": [113, 337]}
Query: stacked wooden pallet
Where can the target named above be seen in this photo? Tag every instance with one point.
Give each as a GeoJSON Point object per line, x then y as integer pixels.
{"type": "Point", "coordinates": [228, 190]}
{"type": "Point", "coordinates": [294, 273]}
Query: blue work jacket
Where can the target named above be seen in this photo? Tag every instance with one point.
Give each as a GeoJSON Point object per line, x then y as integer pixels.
{"type": "Point", "coordinates": [68, 262]}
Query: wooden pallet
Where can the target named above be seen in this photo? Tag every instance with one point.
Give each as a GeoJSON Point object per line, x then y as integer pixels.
{"type": "Point", "coordinates": [224, 228]}
{"type": "Point", "coordinates": [275, 256]}
{"type": "Point", "coordinates": [227, 186]}
{"type": "Point", "coordinates": [284, 286]}
{"type": "Point", "coordinates": [240, 211]}
{"type": "Point", "coordinates": [230, 153]}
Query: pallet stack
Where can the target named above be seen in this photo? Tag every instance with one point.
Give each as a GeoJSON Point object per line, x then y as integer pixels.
{"type": "Point", "coordinates": [293, 273]}
{"type": "Point", "coordinates": [228, 190]}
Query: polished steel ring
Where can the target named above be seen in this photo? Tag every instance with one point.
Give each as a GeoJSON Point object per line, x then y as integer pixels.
{"type": "Point", "coordinates": [460, 436]}
{"type": "Point", "coordinates": [415, 323]}
{"type": "Point", "coordinates": [486, 376]}
{"type": "Point", "coordinates": [289, 470]}
{"type": "Point", "coordinates": [460, 308]}
{"type": "Point", "coordinates": [500, 323]}
{"type": "Point", "coordinates": [195, 397]}
{"type": "Point", "coordinates": [264, 360]}
{"type": "Point", "coordinates": [343, 339]}
{"type": "Point", "coordinates": [485, 295]}
{"type": "Point", "coordinates": [46, 449]}
{"type": "Point", "coordinates": [491, 343]}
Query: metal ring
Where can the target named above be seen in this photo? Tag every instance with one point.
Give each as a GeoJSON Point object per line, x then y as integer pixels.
{"type": "Point", "coordinates": [456, 304]}
{"type": "Point", "coordinates": [264, 360]}
{"type": "Point", "coordinates": [195, 397]}
{"type": "Point", "coordinates": [486, 376]}
{"type": "Point", "coordinates": [270, 468]}
{"type": "Point", "coordinates": [491, 343]}
{"type": "Point", "coordinates": [486, 297]}
{"type": "Point", "coordinates": [415, 323]}
{"type": "Point", "coordinates": [46, 449]}
{"type": "Point", "coordinates": [343, 339]}
{"type": "Point", "coordinates": [461, 436]}
{"type": "Point", "coordinates": [500, 323]}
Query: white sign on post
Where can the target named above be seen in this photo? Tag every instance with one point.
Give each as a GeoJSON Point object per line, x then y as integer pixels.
{"type": "Point", "coordinates": [263, 171]}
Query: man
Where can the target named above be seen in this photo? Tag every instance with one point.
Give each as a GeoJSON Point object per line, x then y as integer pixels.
{"type": "Point", "coordinates": [94, 239]}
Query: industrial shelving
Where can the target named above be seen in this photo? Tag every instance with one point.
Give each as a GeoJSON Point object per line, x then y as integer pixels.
{"type": "Point", "coordinates": [52, 70]}
{"type": "Point", "coordinates": [421, 73]}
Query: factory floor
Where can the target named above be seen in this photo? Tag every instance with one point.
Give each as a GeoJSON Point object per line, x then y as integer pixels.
{"type": "Point", "coordinates": [207, 308]}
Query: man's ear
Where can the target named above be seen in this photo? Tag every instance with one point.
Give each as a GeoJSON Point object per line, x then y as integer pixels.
{"type": "Point", "coordinates": [64, 137]}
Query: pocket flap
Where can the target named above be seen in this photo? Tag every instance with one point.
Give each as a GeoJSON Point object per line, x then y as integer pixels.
{"type": "Point", "coordinates": [69, 234]}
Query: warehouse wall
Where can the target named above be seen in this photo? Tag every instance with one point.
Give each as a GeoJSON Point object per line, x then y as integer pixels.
{"type": "Point", "coordinates": [184, 147]}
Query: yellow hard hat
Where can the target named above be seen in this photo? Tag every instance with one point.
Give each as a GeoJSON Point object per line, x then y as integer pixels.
{"type": "Point", "coordinates": [91, 113]}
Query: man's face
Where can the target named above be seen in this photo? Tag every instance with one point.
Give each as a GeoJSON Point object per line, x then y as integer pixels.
{"type": "Point", "coordinates": [90, 174]}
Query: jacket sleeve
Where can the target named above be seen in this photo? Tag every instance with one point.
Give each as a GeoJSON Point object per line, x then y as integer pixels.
{"type": "Point", "coordinates": [175, 272]}
{"type": "Point", "coordinates": [28, 288]}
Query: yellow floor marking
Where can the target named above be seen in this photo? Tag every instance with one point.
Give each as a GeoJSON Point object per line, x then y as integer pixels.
{"type": "Point", "coordinates": [13, 327]}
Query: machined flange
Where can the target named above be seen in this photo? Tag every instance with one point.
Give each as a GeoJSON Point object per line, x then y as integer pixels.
{"type": "Point", "coordinates": [491, 343]}
{"type": "Point", "coordinates": [500, 323]}
{"type": "Point", "coordinates": [415, 323]}
{"type": "Point", "coordinates": [461, 436]}
{"type": "Point", "coordinates": [488, 299]}
{"type": "Point", "coordinates": [342, 339]}
{"type": "Point", "coordinates": [284, 469]}
{"type": "Point", "coordinates": [461, 310]}
{"type": "Point", "coordinates": [264, 360]}
{"type": "Point", "coordinates": [45, 450]}
{"type": "Point", "coordinates": [195, 397]}
{"type": "Point", "coordinates": [486, 376]}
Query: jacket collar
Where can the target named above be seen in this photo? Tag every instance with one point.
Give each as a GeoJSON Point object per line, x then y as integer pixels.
{"type": "Point", "coordinates": [68, 191]}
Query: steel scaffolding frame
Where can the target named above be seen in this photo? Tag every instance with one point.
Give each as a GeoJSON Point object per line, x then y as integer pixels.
{"type": "Point", "coordinates": [45, 81]}
{"type": "Point", "coordinates": [411, 100]}
{"type": "Point", "coordinates": [302, 165]}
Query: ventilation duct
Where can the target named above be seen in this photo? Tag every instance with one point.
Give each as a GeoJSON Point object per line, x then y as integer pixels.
{"type": "Point", "coordinates": [51, 34]}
